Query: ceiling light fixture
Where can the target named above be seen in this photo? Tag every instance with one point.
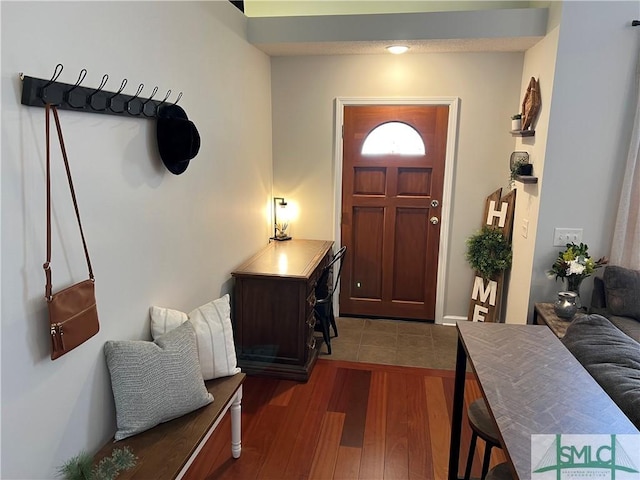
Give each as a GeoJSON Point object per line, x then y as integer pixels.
{"type": "Point", "coordinates": [397, 49]}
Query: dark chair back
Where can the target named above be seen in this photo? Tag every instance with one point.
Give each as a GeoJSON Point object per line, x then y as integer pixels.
{"type": "Point", "coordinates": [325, 287]}
{"type": "Point", "coordinates": [327, 283]}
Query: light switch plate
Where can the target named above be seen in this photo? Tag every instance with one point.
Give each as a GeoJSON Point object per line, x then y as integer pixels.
{"type": "Point", "coordinates": [562, 236]}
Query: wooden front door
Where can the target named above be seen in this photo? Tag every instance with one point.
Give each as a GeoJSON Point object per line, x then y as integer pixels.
{"type": "Point", "coordinates": [391, 204]}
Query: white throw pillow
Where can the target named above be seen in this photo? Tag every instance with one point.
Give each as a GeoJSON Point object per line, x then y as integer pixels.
{"type": "Point", "coordinates": [164, 320]}
{"type": "Point", "coordinates": [214, 335]}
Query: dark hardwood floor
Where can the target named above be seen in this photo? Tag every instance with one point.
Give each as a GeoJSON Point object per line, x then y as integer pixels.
{"type": "Point", "coordinates": [349, 421]}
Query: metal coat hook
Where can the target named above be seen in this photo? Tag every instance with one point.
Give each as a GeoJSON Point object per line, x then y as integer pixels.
{"type": "Point", "coordinates": [110, 99]}
{"type": "Point", "coordinates": [155, 90]}
{"type": "Point", "coordinates": [165, 97]}
{"type": "Point", "coordinates": [178, 99]}
{"type": "Point", "coordinates": [160, 104]}
{"type": "Point", "coordinates": [144, 104]}
{"type": "Point", "coordinates": [105, 78]}
{"type": "Point", "coordinates": [54, 77]}
{"type": "Point", "coordinates": [67, 94]}
{"type": "Point", "coordinates": [128, 102]}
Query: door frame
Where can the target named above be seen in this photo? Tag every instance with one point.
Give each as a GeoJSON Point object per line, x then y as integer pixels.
{"type": "Point", "coordinates": [454, 104]}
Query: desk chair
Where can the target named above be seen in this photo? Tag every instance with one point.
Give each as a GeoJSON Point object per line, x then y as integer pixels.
{"type": "Point", "coordinates": [324, 291]}
{"type": "Point", "coordinates": [482, 426]}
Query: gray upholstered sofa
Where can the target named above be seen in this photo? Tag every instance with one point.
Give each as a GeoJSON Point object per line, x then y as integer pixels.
{"type": "Point", "coordinates": [617, 296]}
{"type": "Point", "coordinates": [611, 357]}
{"type": "Point", "coordinates": [609, 348]}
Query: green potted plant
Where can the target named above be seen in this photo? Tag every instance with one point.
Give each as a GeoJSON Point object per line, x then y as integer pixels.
{"type": "Point", "coordinates": [519, 167]}
{"type": "Point", "coordinates": [489, 252]}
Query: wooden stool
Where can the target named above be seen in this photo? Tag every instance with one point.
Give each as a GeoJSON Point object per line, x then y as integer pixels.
{"type": "Point", "coordinates": [482, 426]}
{"type": "Point", "coordinates": [500, 472]}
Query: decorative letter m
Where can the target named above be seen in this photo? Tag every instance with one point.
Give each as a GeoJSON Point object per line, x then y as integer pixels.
{"type": "Point", "coordinates": [490, 292]}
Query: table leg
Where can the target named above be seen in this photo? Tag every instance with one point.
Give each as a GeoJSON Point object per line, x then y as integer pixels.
{"type": "Point", "coordinates": [456, 418]}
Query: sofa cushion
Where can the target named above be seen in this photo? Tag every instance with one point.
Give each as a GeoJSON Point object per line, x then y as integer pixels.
{"type": "Point", "coordinates": [622, 290]}
{"type": "Point", "coordinates": [611, 357]}
{"type": "Point", "coordinates": [627, 324]}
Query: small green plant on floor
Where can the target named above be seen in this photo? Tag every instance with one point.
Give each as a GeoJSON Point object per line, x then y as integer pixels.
{"type": "Point", "coordinates": [81, 466]}
{"type": "Point", "coordinates": [489, 252]}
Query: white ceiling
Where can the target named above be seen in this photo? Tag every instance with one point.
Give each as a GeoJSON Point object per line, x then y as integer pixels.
{"type": "Point", "coordinates": [519, 44]}
{"type": "Point", "coordinates": [496, 30]}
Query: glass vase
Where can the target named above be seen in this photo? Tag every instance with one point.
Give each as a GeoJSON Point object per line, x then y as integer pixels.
{"type": "Point", "coordinates": [573, 285]}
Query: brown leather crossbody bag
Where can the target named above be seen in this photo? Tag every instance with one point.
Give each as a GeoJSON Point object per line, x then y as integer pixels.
{"type": "Point", "coordinates": [73, 316]}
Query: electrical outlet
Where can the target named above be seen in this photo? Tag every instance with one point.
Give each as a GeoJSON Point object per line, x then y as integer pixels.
{"type": "Point", "coordinates": [562, 236]}
{"type": "Point", "coordinates": [525, 228]}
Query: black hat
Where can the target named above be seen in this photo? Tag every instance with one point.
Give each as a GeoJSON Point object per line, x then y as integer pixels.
{"type": "Point", "coordinates": [178, 138]}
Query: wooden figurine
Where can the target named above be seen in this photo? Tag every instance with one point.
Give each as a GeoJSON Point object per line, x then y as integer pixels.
{"type": "Point", "coordinates": [531, 104]}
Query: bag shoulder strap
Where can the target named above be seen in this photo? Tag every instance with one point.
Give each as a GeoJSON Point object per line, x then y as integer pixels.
{"type": "Point", "coordinates": [47, 265]}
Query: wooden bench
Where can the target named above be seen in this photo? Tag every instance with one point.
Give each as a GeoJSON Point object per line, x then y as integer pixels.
{"type": "Point", "coordinates": [167, 450]}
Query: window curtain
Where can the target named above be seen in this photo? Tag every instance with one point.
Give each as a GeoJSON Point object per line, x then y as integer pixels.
{"type": "Point", "coordinates": [625, 249]}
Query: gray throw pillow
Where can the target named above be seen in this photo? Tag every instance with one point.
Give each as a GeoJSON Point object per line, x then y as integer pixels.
{"type": "Point", "coordinates": [154, 382]}
{"type": "Point", "coordinates": [622, 290]}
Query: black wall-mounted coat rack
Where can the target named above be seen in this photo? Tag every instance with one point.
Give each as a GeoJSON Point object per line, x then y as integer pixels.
{"type": "Point", "coordinates": [37, 92]}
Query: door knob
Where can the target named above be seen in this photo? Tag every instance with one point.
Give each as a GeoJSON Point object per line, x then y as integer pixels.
{"type": "Point", "coordinates": [434, 220]}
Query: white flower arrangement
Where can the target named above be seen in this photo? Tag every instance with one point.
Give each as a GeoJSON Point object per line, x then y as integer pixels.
{"type": "Point", "coordinates": [575, 262]}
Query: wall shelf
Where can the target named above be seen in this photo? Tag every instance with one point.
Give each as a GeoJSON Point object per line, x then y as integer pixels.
{"type": "Point", "coordinates": [526, 179]}
{"type": "Point", "coordinates": [523, 133]}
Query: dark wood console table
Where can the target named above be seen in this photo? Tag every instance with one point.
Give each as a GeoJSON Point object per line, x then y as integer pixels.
{"type": "Point", "coordinates": [532, 385]}
{"type": "Point", "coordinates": [274, 300]}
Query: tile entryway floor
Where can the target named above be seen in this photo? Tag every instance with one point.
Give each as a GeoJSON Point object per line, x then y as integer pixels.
{"type": "Point", "coordinates": [394, 342]}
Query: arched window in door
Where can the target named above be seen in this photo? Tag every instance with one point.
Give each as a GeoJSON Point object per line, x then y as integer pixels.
{"type": "Point", "coordinates": [393, 138]}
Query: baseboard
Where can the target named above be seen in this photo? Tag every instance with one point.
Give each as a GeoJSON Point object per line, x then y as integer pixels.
{"type": "Point", "coordinates": [450, 320]}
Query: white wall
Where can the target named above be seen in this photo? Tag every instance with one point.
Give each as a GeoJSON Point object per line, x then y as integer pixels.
{"type": "Point", "coordinates": [539, 62]}
{"type": "Point", "coordinates": [154, 238]}
{"type": "Point", "coordinates": [303, 94]}
{"type": "Point", "coordinates": [590, 120]}
{"type": "Point", "coordinates": [578, 152]}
